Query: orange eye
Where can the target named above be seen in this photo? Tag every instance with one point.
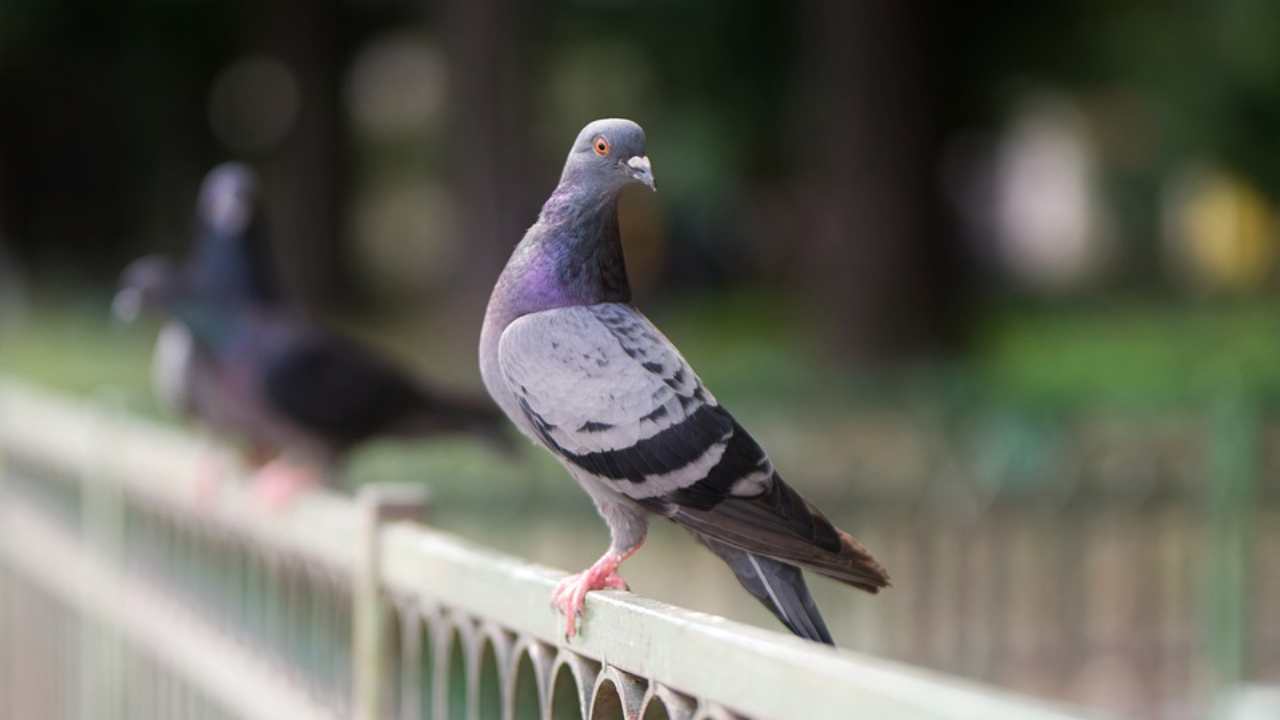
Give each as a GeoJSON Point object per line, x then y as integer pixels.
{"type": "Point", "coordinates": [601, 146]}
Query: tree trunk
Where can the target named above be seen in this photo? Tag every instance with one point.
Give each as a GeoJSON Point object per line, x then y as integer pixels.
{"type": "Point", "coordinates": [491, 158]}
{"type": "Point", "coordinates": [306, 176]}
{"type": "Point", "coordinates": [868, 145]}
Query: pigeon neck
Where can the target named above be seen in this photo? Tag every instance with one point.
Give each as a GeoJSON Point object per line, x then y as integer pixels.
{"type": "Point", "coordinates": [235, 268]}
{"type": "Point", "coordinates": [579, 248]}
{"type": "Point", "coordinates": [211, 324]}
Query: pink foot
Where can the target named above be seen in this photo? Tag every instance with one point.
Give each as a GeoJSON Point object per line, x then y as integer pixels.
{"type": "Point", "coordinates": [209, 476]}
{"type": "Point", "coordinates": [279, 482]}
{"type": "Point", "coordinates": [571, 593]}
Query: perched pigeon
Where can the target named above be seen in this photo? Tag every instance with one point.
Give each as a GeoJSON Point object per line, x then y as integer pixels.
{"type": "Point", "coordinates": [234, 356]}
{"type": "Point", "coordinates": [231, 263]}
{"type": "Point", "coordinates": [583, 373]}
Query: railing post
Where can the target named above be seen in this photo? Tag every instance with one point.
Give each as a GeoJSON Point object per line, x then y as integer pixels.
{"type": "Point", "coordinates": [379, 503]}
{"type": "Point", "coordinates": [101, 682]}
{"type": "Point", "coordinates": [1231, 492]}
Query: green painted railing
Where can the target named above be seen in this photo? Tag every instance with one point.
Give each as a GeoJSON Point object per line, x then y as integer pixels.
{"type": "Point", "coordinates": [121, 596]}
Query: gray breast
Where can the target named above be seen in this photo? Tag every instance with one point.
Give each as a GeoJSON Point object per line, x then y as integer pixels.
{"type": "Point", "coordinates": [171, 368]}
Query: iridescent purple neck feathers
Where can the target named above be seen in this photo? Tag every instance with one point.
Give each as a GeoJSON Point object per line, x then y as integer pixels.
{"type": "Point", "coordinates": [571, 256]}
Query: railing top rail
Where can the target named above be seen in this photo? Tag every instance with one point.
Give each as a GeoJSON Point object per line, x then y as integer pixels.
{"type": "Point", "coordinates": [161, 465]}
{"type": "Point", "coordinates": [762, 673]}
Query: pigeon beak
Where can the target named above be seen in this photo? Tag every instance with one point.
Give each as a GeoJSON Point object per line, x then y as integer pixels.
{"type": "Point", "coordinates": [641, 170]}
{"type": "Point", "coordinates": [127, 305]}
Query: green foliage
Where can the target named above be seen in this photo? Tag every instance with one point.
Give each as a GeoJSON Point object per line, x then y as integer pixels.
{"type": "Point", "coordinates": [761, 354]}
{"type": "Point", "coordinates": [76, 347]}
{"type": "Point", "coordinates": [1130, 355]}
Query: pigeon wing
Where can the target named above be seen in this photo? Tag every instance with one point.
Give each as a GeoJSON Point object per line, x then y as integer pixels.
{"type": "Point", "coordinates": [604, 390]}
{"type": "Point", "coordinates": [335, 389]}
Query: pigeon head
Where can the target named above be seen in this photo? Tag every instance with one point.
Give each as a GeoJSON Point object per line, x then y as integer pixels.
{"type": "Point", "coordinates": [228, 199]}
{"type": "Point", "coordinates": [232, 258]}
{"type": "Point", "coordinates": [608, 154]}
{"type": "Point", "coordinates": [148, 284]}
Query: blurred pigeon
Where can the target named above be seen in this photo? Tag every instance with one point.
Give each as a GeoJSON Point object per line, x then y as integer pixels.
{"type": "Point", "coordinates": [231, 263]}
{"type": "Point", "coordinates": [584, 374]}
{"type": "Point", "coordinates": [236, 357]}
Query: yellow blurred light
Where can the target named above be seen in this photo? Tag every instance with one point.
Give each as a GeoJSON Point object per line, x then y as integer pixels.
{"type": "Point", "coordinates": [1227, 232]}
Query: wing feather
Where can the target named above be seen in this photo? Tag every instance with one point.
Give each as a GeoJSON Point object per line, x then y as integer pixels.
{"type": "Point", "coordinates": [607, 392]}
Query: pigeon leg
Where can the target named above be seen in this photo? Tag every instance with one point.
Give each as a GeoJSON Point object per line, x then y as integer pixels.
{"type": "Point", "coordinates": [571, 593]}
{"type": "Point", "coordinates": [278, 482]}
{"type": "Point", "coordinates": [212, 469]}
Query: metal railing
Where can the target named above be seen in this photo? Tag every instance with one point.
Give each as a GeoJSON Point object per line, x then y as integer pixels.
{"type": "Point", "coordinates": [122, 596]}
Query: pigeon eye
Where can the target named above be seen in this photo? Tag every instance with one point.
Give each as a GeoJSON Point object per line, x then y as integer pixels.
{"type": "Point", "coordinates": [601, 146]}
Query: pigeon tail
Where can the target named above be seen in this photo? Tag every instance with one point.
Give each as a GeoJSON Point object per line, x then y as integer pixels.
{"type": "Point", "coordinates": [778, 586]}
{"type": "Point", "coordinates": [854, 566]}
{"type": "Point", "coordinates": [781, 524]}
{"type": "Point", "coordinates": [466, 414]}
{"type": "Point", "coordinates": [834, 552]}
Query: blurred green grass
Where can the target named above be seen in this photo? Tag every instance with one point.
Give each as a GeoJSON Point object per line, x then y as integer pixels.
{"type": "Point", "coordinates": [1135, 355]}
{"type": "Point", "coordinates": [75, 346]}
{"type": "Point", "coordinates": [1025, 366]}
{"type": "Point", "coordinates": [758, 349]}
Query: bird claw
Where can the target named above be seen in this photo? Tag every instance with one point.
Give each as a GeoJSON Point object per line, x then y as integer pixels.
{"type": "Point", "coordinates": [209, 476]}
{"type": "Point", "coordinates": [278, 483]}
{"type": "Point", "coordinates": [570, 594]}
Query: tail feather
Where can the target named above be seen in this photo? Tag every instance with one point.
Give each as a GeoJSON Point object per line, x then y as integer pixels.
{"type": "Point", "coordinates": [854, 565]}
{"type": "Point", "coordinates": [437, 414]}
{"type": "Point", "coordinates": [780, 587]}
{"type": "Point", "coordinates": [781, 524]}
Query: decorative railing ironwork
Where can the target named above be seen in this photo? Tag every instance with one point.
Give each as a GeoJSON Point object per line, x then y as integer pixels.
{"type": "Point", "coordinates": [123, 594]}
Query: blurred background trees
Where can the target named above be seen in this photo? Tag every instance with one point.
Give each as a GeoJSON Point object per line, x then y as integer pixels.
{"type": "Point", "coordinates": [891, 162]}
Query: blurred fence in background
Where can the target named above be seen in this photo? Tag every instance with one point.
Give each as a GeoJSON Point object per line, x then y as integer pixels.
{"type": "Point", "coordinates": [121, 597]}
{"type": "Point", "coordinates": [1126, 562]}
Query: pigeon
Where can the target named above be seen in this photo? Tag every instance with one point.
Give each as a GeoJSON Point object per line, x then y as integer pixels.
{"type": "Point", "coordinates": [584, 374]}
{"type": "Point", "coordinates": [232, 263]}
{"type": "Point", "coordinates": [235, 355]}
